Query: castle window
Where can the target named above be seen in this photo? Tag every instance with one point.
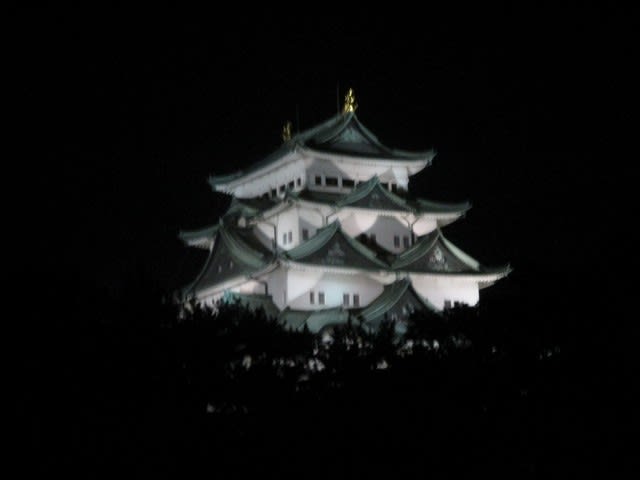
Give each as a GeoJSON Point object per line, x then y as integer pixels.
{"type": "Point", "coordinates": [394, 187]}
{"type": "Point", "coordinates": [447, 304]}
{"type": "Point", "coordinates": [356, 300]}
{"type": "Point", "coordinates": [290, 234]}
{"type": "Point", "coordinates": [291, 185]}
{"type": "Point", "coordinates": [345, 299]}
{"type": "Point", "coordinates": [405, 241]}
{"type": "Point", "coordinates": [347, 183]}
{"type": "Point", "coordinates": [396, 241]}
{"type": "Point", "coordinates": [318, 180]}
{"type": "Point", "coordinates": [281, 189]}
{"type": "Point", "coordinates": [312, 299]}
{"type": "Point", "coordinates": [284, 238]}
{"type": "Point", "coordinates": [385, 186]}
{"type": "Point", "coordinates": [331, 181]}
{"type": "Point", "coordinates": [274, 192]}
{"type": "Point", "coordinates": [320, 298]}
{"type": "Point", "coordinates": [305, 234]}
{"type": "Point", "coordinates": [299, 181]}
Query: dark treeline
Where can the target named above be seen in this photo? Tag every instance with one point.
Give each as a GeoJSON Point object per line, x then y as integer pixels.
{"type": "Point", "coordinates": [127, 387]}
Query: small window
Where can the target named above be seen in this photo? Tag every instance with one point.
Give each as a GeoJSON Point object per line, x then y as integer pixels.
{"type": "Point", "coordinates": [372, 237]}
{"type": "Point", "coordinates": [299, 181]}
{"type": "Point", "coordinates": [347, 183]}
{"type": "Point", "coordinates": [290, 236]}
{"type": "Point", "coordinates": [281, 189]}
{"type": "Point", "coordinates": [265, 195]}
{"type": "Point", "coordinates": [312, 299]}
{"type": "Point", "coordinates": [320, 298]}
{"type": "Point", "coordinates": [284, 238]}
{"type": "Point", "coordinates": [291, 185]}
{"type": "Point", "coordinates": [345, 299]}
{"type": "Point", "coordinates": [274, 192]}
{"type": "Point", "coordinates": [318, 180]}
{"type": "Point", "coordinates": [396, 241]}
{"type": "Point", "coordinates": [356, 300]}
{"type": "Point", "coordinates": [394, 187]}
{"type": "Point", "coordinates": [305, 234]}
{"type": "Point", "coordinates": [385, 186]}
{"type": "Point", "coordinates": [447, 304]}
{"type": "Point", "coordinates": [331, 181]}
{"type": "Point", "coordinates": [405, 241]}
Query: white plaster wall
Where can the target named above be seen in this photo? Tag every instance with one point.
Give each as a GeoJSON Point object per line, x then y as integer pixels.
{"type": "Point", "coordinates": [325, 169]}
{"type": "Point", "coordinates": [284, 222]}
{"type": "Point", "coordinates": [424, 226]}
{"type": "Point", "coordinates": [353, 170]}
{"type": "Point", "coordinates": [299, 283]}
{"type": "Point", "coordinates": [313, 216]}
{"type": "Point", "coordinates": [288, 171]}
{"type": "Point", "coordinates": [384, 228]}
{"type": "Point", "coordinates": [384, 277]}
{"type": "Point", "coordinates": [277, 282]}
{"type": "Point", "coordinates": [294, 220]}
{"type": "Point", "coordinates": [358, 171]}
{"type": "Point", "coordinates": [437, 289]}
{"type": "Point", "coordinates": [334, 285]}
{"type": "Point", "coordinates": [250, 286]}
{"type": "Point", "coordinates": [355, 223]}
{"type": "Point", "coordinates": [401, 177]}
{"type": "Point", "coordinates": [288, 222]}
{"type": "Point", "coordinates": [311, 228]}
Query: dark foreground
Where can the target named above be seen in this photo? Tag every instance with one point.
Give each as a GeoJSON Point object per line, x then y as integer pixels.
{"type": "Point", "coordinates": [506, 390]}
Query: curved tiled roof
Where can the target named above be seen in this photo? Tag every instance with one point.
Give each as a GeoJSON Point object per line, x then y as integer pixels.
{"type": "Point", "coordinates": [345, 134]}
{"type": "Point", "coordinates": [342, 134]}
{"type": "Point", "coordinates": [331, 247]}
{"type": "Point", "coordinates": [396, 294]}
{"type": "Point", "coordinates": [235, 253]}
{"type": "Point", "coordinates": [433, 253]}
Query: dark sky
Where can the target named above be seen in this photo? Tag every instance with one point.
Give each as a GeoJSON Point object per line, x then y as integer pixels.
{"type": "Point", "coordinates": [122, 114]}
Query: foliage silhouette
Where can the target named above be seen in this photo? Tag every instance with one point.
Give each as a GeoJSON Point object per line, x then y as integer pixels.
{"type": "Point", "coordinates": [231, 387]}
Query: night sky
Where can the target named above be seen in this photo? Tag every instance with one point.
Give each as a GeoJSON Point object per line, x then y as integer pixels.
{"type": "Point", "coordinates": [122, 115]}
{"type": "Point", "coordinates": [118, 116]}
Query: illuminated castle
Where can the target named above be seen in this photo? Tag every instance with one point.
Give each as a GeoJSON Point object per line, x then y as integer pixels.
{"type": "Point", "coordinates": [320, 231]}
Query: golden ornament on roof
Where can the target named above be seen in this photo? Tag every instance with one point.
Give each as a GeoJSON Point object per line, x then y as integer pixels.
{"type": "Point", "coordinates": [350, 104]}
{"type": "Point", "coordinates": [286, 132]}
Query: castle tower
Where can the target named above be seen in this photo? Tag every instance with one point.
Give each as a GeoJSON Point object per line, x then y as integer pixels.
{"type": "Point", "coordinates": [320, 230]}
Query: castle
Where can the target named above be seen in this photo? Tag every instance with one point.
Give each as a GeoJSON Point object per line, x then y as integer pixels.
{"type": "Point", "coordinates": [321, 230]}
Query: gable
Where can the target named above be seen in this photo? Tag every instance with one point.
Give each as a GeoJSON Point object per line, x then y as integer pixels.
{"type": "Point", "coordinates": [221, 266]}
{"type": "Point", "coordinates": [432, 255]}
{"type": "Point", "coordinates": [338, 252]}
